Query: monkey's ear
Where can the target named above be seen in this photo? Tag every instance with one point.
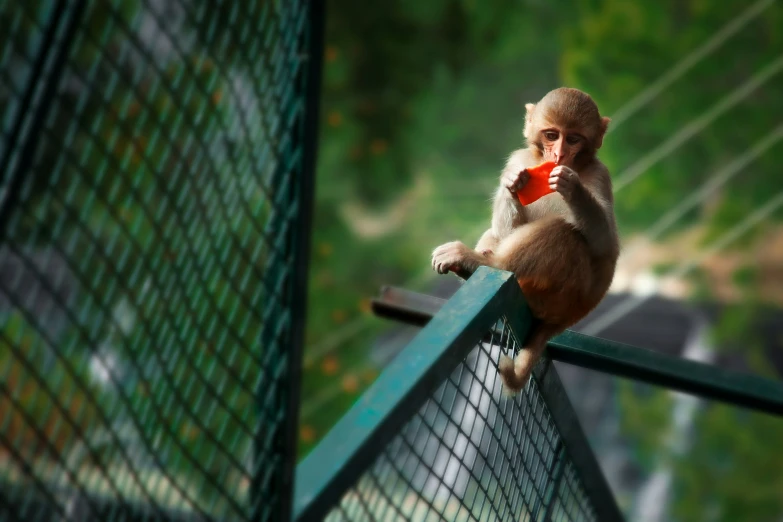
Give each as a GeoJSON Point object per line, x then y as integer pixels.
{"type": "Point", "coordinates": [531, 107]}
{"type": "Point", "coordinates": [599, 140]}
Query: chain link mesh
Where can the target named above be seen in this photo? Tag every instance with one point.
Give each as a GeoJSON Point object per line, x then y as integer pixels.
{"type": "Point", "coordinates": [152, 169]}
{"type": "Point", "coordinates": [472, 454]}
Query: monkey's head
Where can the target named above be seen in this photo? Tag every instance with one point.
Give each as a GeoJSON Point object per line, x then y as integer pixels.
{"type": "Point", "coordinates": [565, 127]}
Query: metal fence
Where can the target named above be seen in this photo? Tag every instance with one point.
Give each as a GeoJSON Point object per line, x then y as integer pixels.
{"type": "Point", "coordinates": [435, 439]}
{"type": "Point", "coordinates": [156, 166]}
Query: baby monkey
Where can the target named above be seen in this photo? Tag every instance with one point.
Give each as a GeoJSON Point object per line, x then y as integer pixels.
{"type": "Point", "coordinates": [563, 248]}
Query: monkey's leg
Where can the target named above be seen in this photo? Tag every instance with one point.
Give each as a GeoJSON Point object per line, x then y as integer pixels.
{"type": "Point", "coordinates": [487, 243]}
{"type": "Point", "coordinates": [552, 264]}
{"type": "Point", "coordinates": [548, 252]}
{"type": "Point", "coordinates": [514, 373]}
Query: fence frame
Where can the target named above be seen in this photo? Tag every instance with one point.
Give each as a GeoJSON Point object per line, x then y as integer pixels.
{"type": "Point", "coordinates": [308, 83]}
{"type": "Point", "coordinates": [49, 61]}
{"type": "Point", "coordinates": [674, 373]}
{"type": "Point", "coordinates": [622, 360]}
{"type": "Point", "coordinates": [362, 434]}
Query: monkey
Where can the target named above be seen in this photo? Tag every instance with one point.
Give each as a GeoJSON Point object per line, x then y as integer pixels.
{"type": "Point", "coordinates": [562, 248]}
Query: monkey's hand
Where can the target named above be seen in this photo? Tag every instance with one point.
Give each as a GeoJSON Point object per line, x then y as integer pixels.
{"type": "Point", "coordinates": [565, 181]}
{"type": "Point", "coordinates": [514, 176]}
{"type": "Point", "coordinates": [455, 257]}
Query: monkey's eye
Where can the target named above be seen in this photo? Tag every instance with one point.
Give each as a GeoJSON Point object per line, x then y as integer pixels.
{"type": "Point", "coordinates": [550, 135]}
{"type": "Point", "coordinates": [573, 139]}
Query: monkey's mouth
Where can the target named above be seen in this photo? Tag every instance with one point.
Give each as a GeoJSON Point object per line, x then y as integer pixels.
{"type": "Point", "coordinates": [567, 162]}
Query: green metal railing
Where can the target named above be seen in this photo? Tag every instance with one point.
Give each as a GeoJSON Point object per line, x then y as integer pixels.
{"type": "Point", "coordinates": [435, 439]}
{"type": "Point", "coordinates": [675, 373]}
{"type": "Point", "coordinates": [156, 171]}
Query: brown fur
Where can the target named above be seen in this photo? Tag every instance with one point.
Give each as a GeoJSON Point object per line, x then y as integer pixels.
{"type": "Point", "coordinates": [563, 252]}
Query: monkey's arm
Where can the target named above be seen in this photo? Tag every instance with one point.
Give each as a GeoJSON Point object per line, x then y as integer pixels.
{"type": "Point", "coordinates": [592, 207]}
{"type": "Point", "coordinates": [507, 212]}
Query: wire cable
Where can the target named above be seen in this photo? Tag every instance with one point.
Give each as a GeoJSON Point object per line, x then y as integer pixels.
{"type": "Point", "coordinates": [720, 178]}
{"type": "Point", "coordinates": [696, 125]}
{"type": "Point", "coordinates": [625, 307]}
{"type": "Point", "coordinates": [686, 64]}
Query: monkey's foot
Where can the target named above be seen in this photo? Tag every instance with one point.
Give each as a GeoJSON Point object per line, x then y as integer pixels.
{"type": "Point", "coordinates": [513, 378]}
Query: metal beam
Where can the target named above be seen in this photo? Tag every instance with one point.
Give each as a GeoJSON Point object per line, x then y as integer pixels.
{"type": "Point", "coordinates": [696, 378]}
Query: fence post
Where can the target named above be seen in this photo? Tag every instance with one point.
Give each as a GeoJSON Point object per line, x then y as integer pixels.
{"type": "Point", "coordinates": [278, 390]}
{"type": "Point", "coordinates": [36, 101]}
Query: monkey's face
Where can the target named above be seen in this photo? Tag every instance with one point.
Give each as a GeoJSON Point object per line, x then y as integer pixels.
{"type": "Point", "coordinates": [565, 127]}
{"type": "Point", "coordinates": [561, 145]}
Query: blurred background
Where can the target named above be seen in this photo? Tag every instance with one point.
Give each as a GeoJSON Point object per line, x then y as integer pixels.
{"type": "Point", "coordinates": [151, 154]}
{"type": "Point", "coordinates": [423, 101]}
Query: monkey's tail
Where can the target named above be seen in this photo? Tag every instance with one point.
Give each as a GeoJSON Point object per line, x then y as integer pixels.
{"type": "Point", "coordinates": [514, 373]}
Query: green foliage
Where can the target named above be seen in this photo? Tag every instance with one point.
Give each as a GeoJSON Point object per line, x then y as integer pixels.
{"type": "Point", "coordinates": [733, 324]}
{"type": "Point", "coordinates": [663, 268]}
{"type": "Point", "coordinates": [603, 57]}
{"type": "Point", "coordinates": [731, 470]}
{"type": "Point", "coordinates": [746, 277]}
{"type": "Point", "coordinates": [701, 286]}
{"type": "Point", "coordinates": [644, 415]}
{"type": "Point", "coordinates": [43, 417]}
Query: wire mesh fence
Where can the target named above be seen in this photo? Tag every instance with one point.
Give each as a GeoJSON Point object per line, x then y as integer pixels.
{"type": "Point", "coordinates": [154, 208]}
{"type": "Point", "coordinates": [472, 454]}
